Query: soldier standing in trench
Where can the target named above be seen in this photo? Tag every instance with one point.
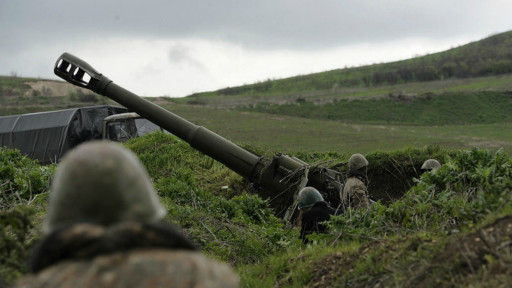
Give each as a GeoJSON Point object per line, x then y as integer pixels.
{"type": "Point", "coordinates": [355, 191]}
{"type": "Point", "coordinates": [105, 228]}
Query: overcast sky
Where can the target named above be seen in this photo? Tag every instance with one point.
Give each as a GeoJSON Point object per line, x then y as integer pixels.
{"type": "Point", "coordinates": [176, 48]}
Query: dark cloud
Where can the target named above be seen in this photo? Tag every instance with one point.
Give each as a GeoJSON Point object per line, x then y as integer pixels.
{"type": "Point", "coordinates": [262, 24]}
{"type": "Point", "coordinates": [35, 32]}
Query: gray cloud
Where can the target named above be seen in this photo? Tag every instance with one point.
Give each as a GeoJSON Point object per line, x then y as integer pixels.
{"type": "Point", "coordinates": [180, 54]}
{"type": "Point", "coordinates": [34, 32]}
{"type": "Point", "coordinates": [263, 24]}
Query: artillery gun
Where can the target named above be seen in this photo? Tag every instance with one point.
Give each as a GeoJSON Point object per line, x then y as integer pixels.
{"type": "Point", "coordinates": [282, 176]}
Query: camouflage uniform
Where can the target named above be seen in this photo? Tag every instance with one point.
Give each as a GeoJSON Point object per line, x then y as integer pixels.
{"type": "Point", "coordinates": [355, 193]}
{"type": "Point", "coordinates": [129, 254]}
{"type": "Point", "coordinates": [104, 228]}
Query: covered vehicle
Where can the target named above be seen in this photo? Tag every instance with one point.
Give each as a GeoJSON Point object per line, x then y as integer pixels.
{"type": "Point", "coordinates": [47, 136]}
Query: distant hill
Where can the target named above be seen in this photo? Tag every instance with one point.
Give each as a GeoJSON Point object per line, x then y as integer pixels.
{"type": "Point", "coordinates": [470, 84]}
{"type": "Point", "coordinates": [488, 57]}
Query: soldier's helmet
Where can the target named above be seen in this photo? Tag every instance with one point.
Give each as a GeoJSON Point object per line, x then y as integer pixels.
{"type": "Point", "coordinates": [308, 196]}
{"type": "Point", "coordinates": [104, 183]}
{"type": "Point", "coordinates": [357, 161]}
{"type": "Point", "coordinates": [430, 164]}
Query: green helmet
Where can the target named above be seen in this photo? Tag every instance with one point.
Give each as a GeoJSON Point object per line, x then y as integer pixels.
{"type": "Point", "coordinates": [101, 182]}
{"type": "Point", "coordinates": [357, 161]}
{"type": "Point", "coordinates": [430, 164]}
{"type": "Point", "coordinates": [308, 196]}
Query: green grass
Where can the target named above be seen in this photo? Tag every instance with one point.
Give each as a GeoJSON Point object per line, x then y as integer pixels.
{"type": "Point", "coordinates": [285, 133]}
{"type": "Point", "coordinates": [444, 232]}
{"type": "Point", "coordinates": [410, 242]}
{"type": "Point", "coordinates": [444, 109]}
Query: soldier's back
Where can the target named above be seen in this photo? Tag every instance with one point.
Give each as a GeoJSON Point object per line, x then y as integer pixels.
{"type": "Point", "coordinates": [138, 268]}
{"type": "Point", "coordinates": [105, 227]}
{"type": "Point", "coordinates": [355, 194]}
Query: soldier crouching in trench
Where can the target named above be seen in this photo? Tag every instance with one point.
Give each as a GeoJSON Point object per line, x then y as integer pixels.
{"type": "Point", "coordinates": [313, 212]}
{"type": "Point", "coordinates": [105, 228]}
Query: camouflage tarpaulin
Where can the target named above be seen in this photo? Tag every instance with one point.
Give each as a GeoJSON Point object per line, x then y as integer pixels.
{"type": "Point", "coordinates": [47, 136]}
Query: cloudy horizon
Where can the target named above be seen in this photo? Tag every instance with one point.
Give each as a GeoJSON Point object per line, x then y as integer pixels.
{"type": "Point", "coordinates": [176, 48]}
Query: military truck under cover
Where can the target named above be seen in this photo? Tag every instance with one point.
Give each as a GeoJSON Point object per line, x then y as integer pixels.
{"type": "Point", "coordinates": [47, 136]}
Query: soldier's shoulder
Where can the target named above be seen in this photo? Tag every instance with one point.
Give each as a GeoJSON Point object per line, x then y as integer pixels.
{"type": "Point", "coordinates": [141, 268]}
{"type": "Point", "coordinates": [183, 264]}
{"type": "Point", "coordinates": [353, 181]}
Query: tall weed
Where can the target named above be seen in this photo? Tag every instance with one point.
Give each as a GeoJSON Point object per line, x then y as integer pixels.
{"type": "Point", "coordinates": [21, 178]}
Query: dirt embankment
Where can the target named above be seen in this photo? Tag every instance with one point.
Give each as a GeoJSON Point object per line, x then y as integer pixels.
{"type": "Point", "coordinates": [52, 88]}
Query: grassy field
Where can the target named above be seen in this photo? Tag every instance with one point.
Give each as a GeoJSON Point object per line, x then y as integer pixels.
{"type": "Point", "coordinates": [285, 133]}
{"type": "Point", "coordinates": [351, 134]}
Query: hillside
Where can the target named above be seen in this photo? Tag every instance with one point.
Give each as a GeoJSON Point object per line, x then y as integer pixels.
{"type": "Point", "coordinates": [480, 65]}
{"type": "Point", "coordinates": [488, 57]}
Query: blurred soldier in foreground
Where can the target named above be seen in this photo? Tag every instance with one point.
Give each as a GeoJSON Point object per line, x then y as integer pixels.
{"type": "Point", "coordinates": [313, 211]}
{"type": "Point", "coordinates": [429, 165]}
{"type": "Point", "coordinates": [104, 228]}
{"type": "Point", "coordinates": [355, 192]}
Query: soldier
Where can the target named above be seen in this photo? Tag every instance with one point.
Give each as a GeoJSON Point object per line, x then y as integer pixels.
{"type": "Point", "coordinates": [313, 211]}
{"type": "Point", "coordinates": [355, 192]}
{"type": "Point", "coordinates": [105, 228]}
{"type": "Point", "coordinates": [429, 165]}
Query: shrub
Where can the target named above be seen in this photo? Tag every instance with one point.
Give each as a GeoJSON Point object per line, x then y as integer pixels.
{"type": "Point", "coordinates": [21, 178]}
{"type": "Point", "coordinates": [16, 239]}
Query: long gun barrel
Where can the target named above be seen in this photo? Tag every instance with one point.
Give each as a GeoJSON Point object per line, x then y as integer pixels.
{"type": "Point", "coordinates": [283, 176]}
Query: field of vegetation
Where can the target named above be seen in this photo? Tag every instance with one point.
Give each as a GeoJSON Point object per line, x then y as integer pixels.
{"type": "Point", "coordinates": [448, 228]}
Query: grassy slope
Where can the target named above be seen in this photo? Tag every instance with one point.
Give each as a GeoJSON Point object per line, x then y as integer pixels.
{"type": "Point", "coordinates": [501, 82]}
{"type": "Point", "coordinates": [490, 56]}
{"type": "Point", "coordinates": [452, 229]}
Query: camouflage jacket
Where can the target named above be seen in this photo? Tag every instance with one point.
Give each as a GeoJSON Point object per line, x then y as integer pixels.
{"type": "Point", "coordinates": [355, 194]}
{"type": "Point", "coordinates": [129, 254]}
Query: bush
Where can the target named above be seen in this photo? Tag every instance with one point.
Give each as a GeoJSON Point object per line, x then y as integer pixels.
{"type": "Point", "coordinates": [21, 178]}
{"type": "Point", "coordinates": [242, 229]}
{"type": "Point", "coordinates": [16, 240]}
